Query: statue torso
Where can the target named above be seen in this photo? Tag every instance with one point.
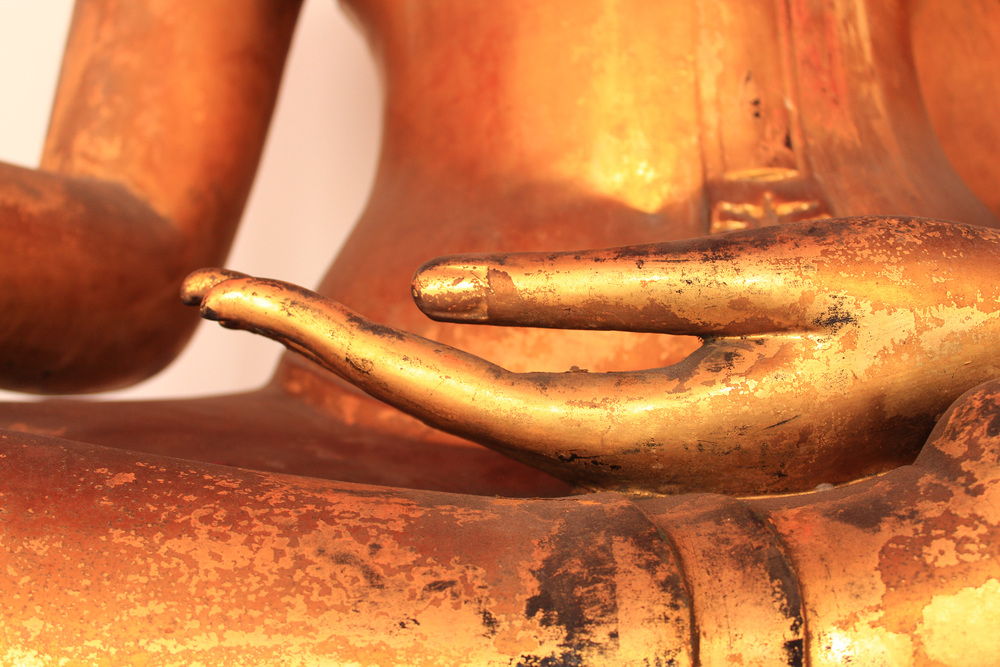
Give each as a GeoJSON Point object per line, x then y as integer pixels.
{"type": "Point", "coordinates": [559, 126]}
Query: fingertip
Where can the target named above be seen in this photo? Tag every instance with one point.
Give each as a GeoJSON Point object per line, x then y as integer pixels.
{"type": "Point", "coordinates": [213, 315]}
{"type": "Point", "coordinates": [452, 291]}
{"type": "Point", "coordinates": [210, 314]}
{"type": "Point", "coordinates": [199, 283]}
{"type": "Point", "coordinates": [221, 297]}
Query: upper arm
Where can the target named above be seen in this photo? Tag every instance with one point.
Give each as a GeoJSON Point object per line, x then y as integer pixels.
{"type": "Point", "coordinates": [172, 100]}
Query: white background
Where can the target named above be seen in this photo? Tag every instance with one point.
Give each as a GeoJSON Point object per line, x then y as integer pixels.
{"type": "Point", "coordinates": [313, 183]}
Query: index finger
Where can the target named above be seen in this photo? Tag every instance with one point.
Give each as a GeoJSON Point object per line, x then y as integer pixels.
{"type": "Point", "coordinates": [736, 284]}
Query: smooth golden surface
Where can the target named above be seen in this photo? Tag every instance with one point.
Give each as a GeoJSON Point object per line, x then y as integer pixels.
{"type": "Point", "coordinates": [953, 48]}
{"type": "Point", "coordinates": [561, 126]}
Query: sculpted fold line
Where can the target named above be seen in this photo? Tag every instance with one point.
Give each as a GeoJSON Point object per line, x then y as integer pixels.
{"type": "Point", "coordinates": [664, 533]}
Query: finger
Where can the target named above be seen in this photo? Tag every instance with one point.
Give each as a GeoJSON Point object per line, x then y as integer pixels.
{"type": "Point", "coordinates": [735, 284]}
{"type": "Point", "coordinates": [636, 430]}
{"type": "Point", "coordinates": [199, 282]}
{"type": "Point", "coordinates": [417, 375]}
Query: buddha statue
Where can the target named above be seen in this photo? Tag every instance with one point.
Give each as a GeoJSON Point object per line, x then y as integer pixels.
{"type": "Point", "coordinates": [711, 240]}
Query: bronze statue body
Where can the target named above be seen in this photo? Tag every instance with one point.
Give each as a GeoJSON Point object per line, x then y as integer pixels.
{"type": "Point", "coordinates": [714, 140]}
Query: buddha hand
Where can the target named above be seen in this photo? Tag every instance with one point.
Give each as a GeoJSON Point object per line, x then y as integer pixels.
{"type": "Point", "coordinates": [829, 350]}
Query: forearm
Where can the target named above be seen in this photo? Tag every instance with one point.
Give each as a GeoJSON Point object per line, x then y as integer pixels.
{"type": "Point", "coordinates": [89, 287]}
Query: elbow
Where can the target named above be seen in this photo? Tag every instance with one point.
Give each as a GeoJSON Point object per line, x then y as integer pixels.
{"type": "Point", "coordinates": [88, 355]}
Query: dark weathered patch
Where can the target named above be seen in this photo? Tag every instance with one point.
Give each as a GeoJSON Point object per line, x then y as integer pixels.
{"type": "Point", "coordinates": [372, 578]}
{"type": "Point", "coordinates": [490, 623]}
{"type": "Point", "coordinates": [837, 316]}
{"type": "Point", "coordinates": [375, 329]}
{"type": "Point", "coordinates": [577, 580]}
{"type": "Point", "coordinates": [864, 514]}
{"type": "Point", "coordinates": [363, 366]}
{"type": "Point", "coordinates": [565, 659]}
{"type": "Point", "coordinates": [795, 653]}
{"type": "Point", "coordinates": [440, 585]}
{"type": "Point", "coordinates": [576, 593]}
{"type": "Point", "coordinates": [782, 423]}
{"type": "Point", "coordinates": [779, 570]}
